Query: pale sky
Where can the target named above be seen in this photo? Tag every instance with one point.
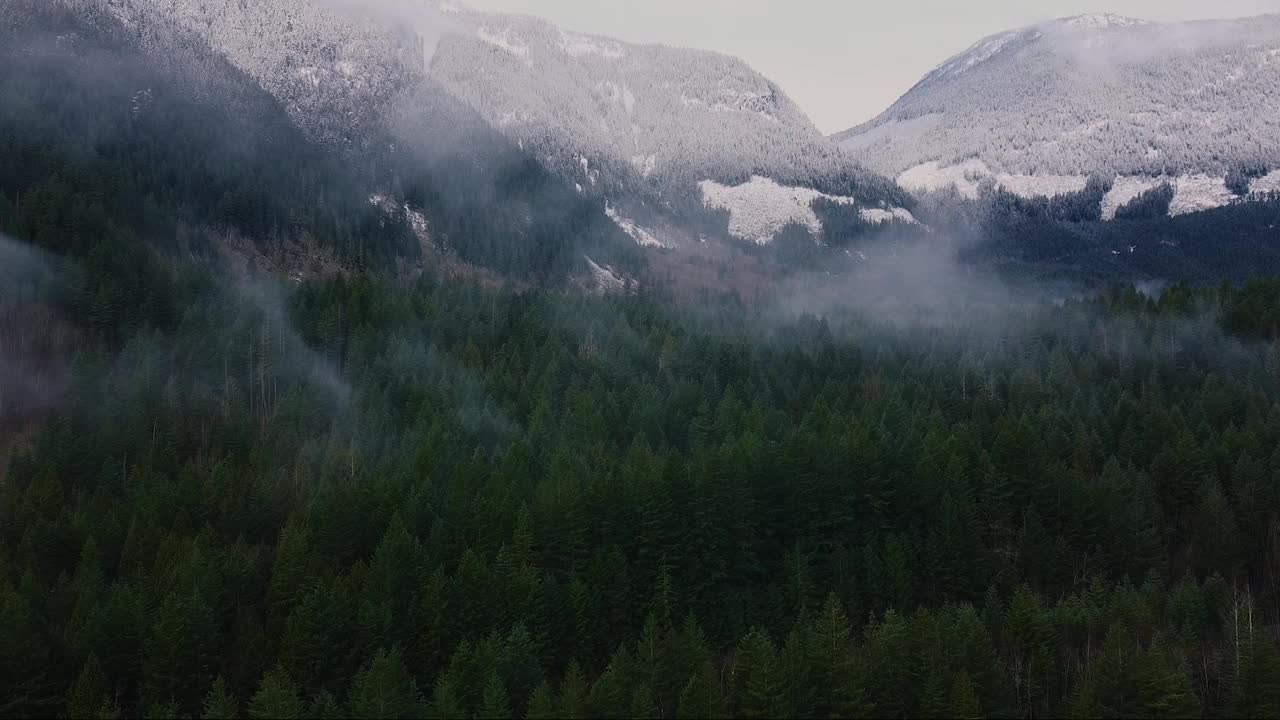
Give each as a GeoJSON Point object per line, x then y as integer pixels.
{"type": "Point", "coordinates": [843, 61]}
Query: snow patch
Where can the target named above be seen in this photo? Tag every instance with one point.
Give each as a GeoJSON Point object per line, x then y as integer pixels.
{"type": "Point", "coordinates": [1196, 193]}
{"type": "Point", "coordinates": [967, 178]}
{"type": "Point", "coordinates": [1123, 191]}
{"type": "Point", "coordinates": [140, 101]}
{"type": "Point", "coordinates": [644, 164]}
{"type": "Point", "coordinates": [880, 216]}
{"type": "Point", "coordinates": [417, 221]}
{"type": "Point", "coordinates": [578, 46]}
{"type": "Point", "coordinates": [1265, 185]}
{"type": "Point", "coordinates": [1046, 186]}
{"type": "Point", "coordinates": [931, 176]}
{"type": "Point", "coordinates": [505, 40]}
{"type": "Point", "coordinates": [1191, 193]}
{"type": "Point", "coordinates": [607, 281]}
{"type": "Point", "coordinates": [1102, 21]}
{"type": "Point", "coordinates": [760, 208]}
{"type": "Point", "coordinates": [733, 101]}
{"type": "Point", "coordinates": [309, 75]}
{"type": "Point", "coordinates": [634, 231]}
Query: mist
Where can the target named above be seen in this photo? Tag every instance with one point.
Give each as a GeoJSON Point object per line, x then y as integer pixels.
{"type": "Point", "coordinates": [290, 358]}
{"type": "Point", "coordinates": [918, 294]}
{"type": "Point", "coordinates": [34, 342]}
{"type": "Point", "coordinates": [424, 18]}
{"type": "Point", "coordinates": [906, 282]}
{"type": "Point", "coordinates": [1106, 55]}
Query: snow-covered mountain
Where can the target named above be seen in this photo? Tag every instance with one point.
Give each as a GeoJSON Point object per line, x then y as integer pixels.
{"type": "Point", "coordinates": [634, 125]}
{"type": "Point", "coordinates": [1039, 110]}
{"type": "Point", "coordinates": [333, 69]}
{"type": "Point", "coordinates": [671, 117]}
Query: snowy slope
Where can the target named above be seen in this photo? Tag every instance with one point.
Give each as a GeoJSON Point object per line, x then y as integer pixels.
{"type": "Point", "coordinates": [613, 114]}
{"type": "Point", "coordinates": [760, 208]}
{"type": "Point", "coordinates": [625, 123]}
{"type": "Point", "coordinates": [1094, 95]}
{"type": "Point", "coordinates": [333, 69]}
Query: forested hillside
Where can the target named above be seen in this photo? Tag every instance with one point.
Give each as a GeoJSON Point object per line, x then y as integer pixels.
{"type": "Point", "coordinates": [376, 499]}
{"type": "Point", "coordinates": [97, 118]}
{"type": "Point", "coordinates": [1065, 236]}
{"type": "Point", "coordinates": [242, 490]}
{"type": "Point", "coordinates": [639, 125]}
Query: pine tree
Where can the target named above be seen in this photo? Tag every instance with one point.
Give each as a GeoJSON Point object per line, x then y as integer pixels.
{"type": "Point", "coordinates": [838, 684]}
{"type": "Point", "coordinates": [1030, 636]}
{"type": "Point", "coordinates": [611, 693]}
{"type": "Point", "coordinates": [757, 688]}
{"type": "Point", "coordinates": [519, 666]}
{"type": "Point", "coordinates": [494, 704]}
{"type": "Point", "coordinates": [1163, 685]}
{"type": "Point", "coordinates": [289, 573]}
{"type": "Point", "coordinates": [325, 707]}
{"type": "Point", "coordinates": [796, 676]}
{"type": "Point", "coordinates": [663, 607]}
{"type": "Point", "coordinates": [643, 704]}
{"type": "Point", "coordinates": [542, 705]}
{"type": "Point", "coordinates": [314, 650]}
{"type": "Point", "coordinates": [277, 697]}
{"type": "Point", "coordinates": [88, 691]}
{"type": "Point", "coordinates": [934, 698]}
{"type": "Point", "coordinates": [700, 697]}
{"type": "Point", "coordinates": [1255, 692]}
{"type": "Point", "coordinates": [573, 693]}
{"type": "Point", "coordinates": [445, 704]}
{"type": "Point", "coordinates": [384, 689]}
{"type": "Point", "coordinates": [218, 703]}
{"type": "Point", "coordinates": [163, 711]}
{"type": "Point", "coordinates": [963, 703]}
{"type": "Point", "coordinates": [891, 678]}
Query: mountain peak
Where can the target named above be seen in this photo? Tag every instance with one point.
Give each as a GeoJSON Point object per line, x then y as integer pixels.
{"type": "Point", "coordinates": [1092, 94]}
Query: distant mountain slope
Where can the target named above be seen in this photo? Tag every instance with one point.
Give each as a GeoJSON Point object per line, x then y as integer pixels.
{"type": "Point", "coordinates": [1040, 108]}
{"type": "Point", "coordinates": [609, 111]}
{"type": "Point", "coordinates": [171, 133]}
{"type": "Point", "coordinates": [334, 72]}
{"type": "Point", "coordinates": [634, 125]}
{"type": "Point", "coordinates": [182, 101]}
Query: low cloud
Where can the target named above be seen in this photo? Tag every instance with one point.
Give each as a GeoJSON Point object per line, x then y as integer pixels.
{"type": "Point", "coordinates": [430, 20]}
{"type": "Point", "coordinates": [907, 283]}
{"type": "Point", "coordinates": [35, 344]}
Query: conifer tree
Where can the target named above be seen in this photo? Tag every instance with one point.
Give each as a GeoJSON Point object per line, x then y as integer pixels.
{"type": "Point", "coordinates": [218, 703]}
{"type": "Point", "coordinates": [277, 697]}
{"type": "Point", "coordinates": [494, 704]}
{"type": "Point", "coordinates": [88, 691]}
{"type": "Point", "coordinates": [758, 690]}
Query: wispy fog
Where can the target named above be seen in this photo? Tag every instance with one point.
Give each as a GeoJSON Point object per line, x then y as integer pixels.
{"type": "Point", "coordinates": [422, 17]}
{"type": "Point", "coordinates": [34, 344]}
{"type": "Point", "coordinates": [907, 283]}
{"type": "Point", "coordinates": [288, 357]}
{"type": "Point", "coordinates": [1107, 54]}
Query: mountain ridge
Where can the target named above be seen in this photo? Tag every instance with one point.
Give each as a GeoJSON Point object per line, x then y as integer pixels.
{"type": "Point", "coordinates": [1079, 96]}
{"type": "Point", "coordinates": [632, 125]}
